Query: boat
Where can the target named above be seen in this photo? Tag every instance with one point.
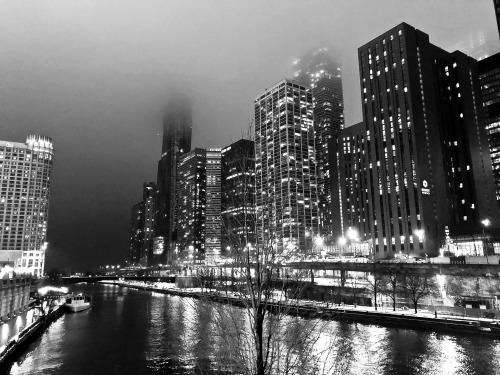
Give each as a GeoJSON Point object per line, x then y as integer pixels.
{"type": "Point", "coordinates": [78, 303]}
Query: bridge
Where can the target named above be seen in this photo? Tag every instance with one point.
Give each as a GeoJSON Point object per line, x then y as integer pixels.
{"type": "Point", "coordinates": [93, 279]}
{"type": "Point", "coordinates": [477, 270]}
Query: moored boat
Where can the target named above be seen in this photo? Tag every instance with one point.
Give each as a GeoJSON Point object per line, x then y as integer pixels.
{"type": "Point", "coordinates": [78, 303]}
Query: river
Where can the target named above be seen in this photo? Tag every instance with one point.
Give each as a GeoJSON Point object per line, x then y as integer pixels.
{"type": "Point", "coordinates": [130, 331]}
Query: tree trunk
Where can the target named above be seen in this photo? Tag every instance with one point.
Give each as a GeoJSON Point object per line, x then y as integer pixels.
{"type": "Point", "coordinates": [259, 332]}
{"type": "Point", "coordinates": [394, 302]}
{"type": "Point", "coordinates": [415, 304]}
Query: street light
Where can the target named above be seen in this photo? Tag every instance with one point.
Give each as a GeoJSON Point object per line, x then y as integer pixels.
{"type": "Point", "coordinates": [318, 241]}
{"type": "Point", "coordinates": [342, 241]}
{"type": "Point", "coordinates": [486, 223]}
{"type": "Point", "coordinates": [420, 234]}
{"type": "Point", "coordinates": [352, 234]}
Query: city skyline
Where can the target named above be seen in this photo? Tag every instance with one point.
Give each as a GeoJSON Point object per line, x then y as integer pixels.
{"type": "Point", "coordinates": [99, 197]}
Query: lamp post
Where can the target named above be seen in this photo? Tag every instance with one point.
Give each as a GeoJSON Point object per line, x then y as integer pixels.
{"type": "Point", "coordinates": [351, 236]}
{"type": "Point", "coordinates": [486, 223]}
{"type": "Point", "coordinates": [318, 241]}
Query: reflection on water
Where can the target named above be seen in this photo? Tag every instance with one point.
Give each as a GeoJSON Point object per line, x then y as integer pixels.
{"type": "Point", "coordinates": [136, 332]}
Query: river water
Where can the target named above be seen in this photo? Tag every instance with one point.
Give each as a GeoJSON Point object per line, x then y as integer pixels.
{"type": "Point", "coordinates": [130, 331]}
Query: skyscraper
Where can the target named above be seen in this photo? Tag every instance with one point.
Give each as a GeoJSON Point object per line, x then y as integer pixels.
{"type": "Point", "coordinates": [142, 223]}
{"type": "Point", "coordinates": [357, 196]}
{"type": "Point", "coordinates": [322, 74]}
{"type": "Point", "coordinates": [25, 172]}
{"type": "Point", "coordinates": [285, 169]}
{"type": "Point", "coordinates": [427, 165]}
{"type": "Point", "coordinates": [177, 129]}
{"type": "Point", "coordinates": [489, 75]}
{"type": "Point", "coordinates": [238, 196]}
{"type": "Point", "coordinates": [213, 209]}
{"type": "Point", "coordinates": [191, 206]}
{"type": "Point", "coordinates": [136, 233]}
{"type": "Point", "coordinates": [464, 145]}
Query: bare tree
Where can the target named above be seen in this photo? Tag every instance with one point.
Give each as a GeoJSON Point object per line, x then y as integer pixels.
{"type": "Point", "coordinates": [260, 329]}
{"type": "Point", "coordinates": [417, 286]}
{"type": "Point", "coordinates": [375, 284]}
{"type": "Point", "coordinates": [392, 283]}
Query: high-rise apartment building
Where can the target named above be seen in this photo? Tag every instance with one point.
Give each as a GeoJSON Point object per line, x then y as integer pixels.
{"type": "Point", "coordinates": [177, 129]}
{"type": "Point", "coordinates": [356, 194]}
{"type": "Point", "coordinates": [213, 210]}
{"type": "Point", "coordinates": [136, 233]}
{"type": "Point", "coordinates": [191, 206]}
{"type": "Point", "coordinates": [285, 169]}
{"type": "Point", "coordinates": [320, 72]}
{"type": "Point", "coordinates": [142, 224]}
{"type": "Point", "coordinates": [427, 164]}
{"type": "Point", "coordinates": [238, 196]}
{"type": "Point", "coordinates": [489, 75]}
{"type": "Point", "coordinates": [25, 173]}
{"type": "Point", "coordinates": [464, 145]}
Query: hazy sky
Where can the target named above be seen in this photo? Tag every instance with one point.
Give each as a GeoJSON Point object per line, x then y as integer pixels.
{"type": "Point", "coordinates": [95, 75]}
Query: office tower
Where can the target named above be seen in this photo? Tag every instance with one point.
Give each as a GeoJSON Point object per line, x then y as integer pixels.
{"type": "Point", "coordinates": [464, 142]}
{"type": "Point", "coordinates": [213, 209]}
{"type": "Point", "coordinates": [356, 193]}
{"type": "Point", "coordinates": [142, 223]}
{"type": "Point", "coordinates": [191, 206]}
{"type": "Point", "coordinates": [177, 128]}
{"type": "Point", "coordinates": [136, 233]}
{"type": "Point", "coordinates": [489, 75]}
{"type": "Point", "coordinates": [425, 141]}
{"type": "Point", "coordinates": [149, 214]}
{"type": "Point", "coordinates": [321, 73]}
{"type": "Point", "coordinates": [238, 196]}
{"type": "Point", "coordinates": [285, 169]}
{"type": "Point", "coordinates": [26, 170]}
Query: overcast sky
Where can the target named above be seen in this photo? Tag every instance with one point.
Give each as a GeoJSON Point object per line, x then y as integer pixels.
{"type": "Point", "coordinates": [95, 75]}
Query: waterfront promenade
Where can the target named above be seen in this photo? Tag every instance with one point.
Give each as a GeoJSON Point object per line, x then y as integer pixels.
{"type": "Point", "coordinates": [406, 318]}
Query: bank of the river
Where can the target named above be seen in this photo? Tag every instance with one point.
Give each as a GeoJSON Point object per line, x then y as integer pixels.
{"type": "Point", "coordinates": [18, 342]}
{"type": "Point", "coordinates": [130, 331]}
{"type": "Point", "coordinates": [361, 314]}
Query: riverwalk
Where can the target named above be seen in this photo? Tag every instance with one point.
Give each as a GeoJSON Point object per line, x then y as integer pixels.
{"type": "Point", "coordinates": [25, 335]}
{"type": "Point", "coordinates": [422, 320]}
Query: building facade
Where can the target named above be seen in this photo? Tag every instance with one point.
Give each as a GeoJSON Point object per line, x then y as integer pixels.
{"type": "Point", "coordinates": [177, 130]}
{"type": "Point", "coordinates": [489, 75]}
{"type": "Point", "coordinates": [426, 164]}
{"type": "Point", "coordinates": [25, 172]}
{"type": "Point", "coordinates": [142, 224]}
{"type": "Point", "coordinates": [136, 233]}
{"type": "Point", "coordinates": [238, 197]}
{"type": "Point", "coordinates": [322, 74]}
{"type": "Point", "coordinates": [285, 169]}
{"type": "Point", "coordinates": [213, 239]}
{"type": "Point", "coordinates": [464, 143]}
{"type": "Point", "coordinates": [191, 206]}
{"type": "Point", "coordinates": [356, 193]}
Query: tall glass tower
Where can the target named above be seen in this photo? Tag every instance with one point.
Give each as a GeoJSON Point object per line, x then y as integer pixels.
{"type": "Point", "coordinates": [319, 71]}
{"type": "Point", "coordinates": [177, 130]}
{"type": "Point", "coordinates": [489, 75]}
{"type": "Point", "coordinates": [25, 172]}
{"type": "Point", "coordinates": [285, 169]}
